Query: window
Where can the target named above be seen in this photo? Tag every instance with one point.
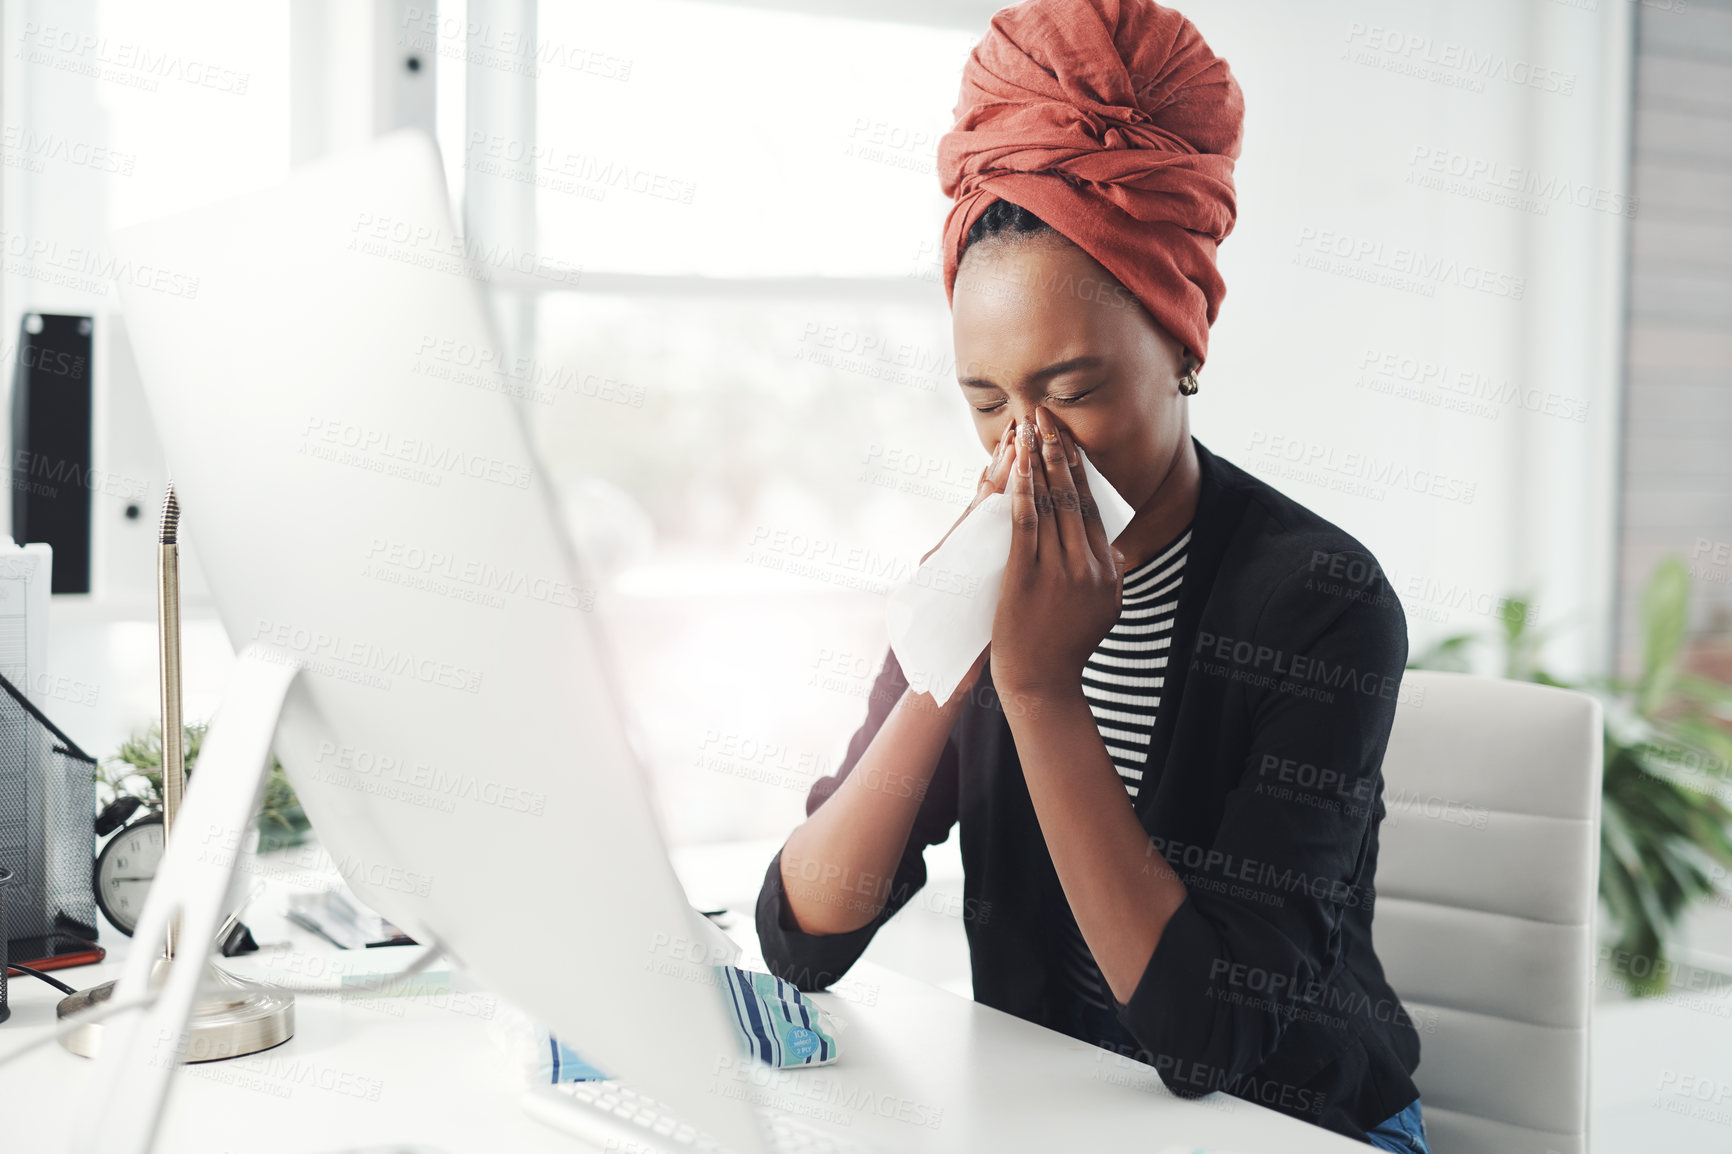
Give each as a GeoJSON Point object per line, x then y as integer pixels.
{"type": "Point", "coordinates": [753, 143]}
{"type": "Point", "coordinates": [748, 402]}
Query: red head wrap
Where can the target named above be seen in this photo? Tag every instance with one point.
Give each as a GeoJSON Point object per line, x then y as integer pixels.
{"type": "Point", "coordinates": [1113, 122]}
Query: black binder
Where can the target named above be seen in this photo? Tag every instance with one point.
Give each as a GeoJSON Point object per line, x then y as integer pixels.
{"type": "Point", "coordinates": [51, 464]}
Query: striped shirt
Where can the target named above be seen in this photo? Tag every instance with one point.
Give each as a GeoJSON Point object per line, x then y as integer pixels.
{"type": "Point", "coordinates": [1122, 681]}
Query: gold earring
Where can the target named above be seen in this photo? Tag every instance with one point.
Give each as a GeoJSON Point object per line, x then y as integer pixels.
{"type": "Point", "coordinates": [1188, 382]}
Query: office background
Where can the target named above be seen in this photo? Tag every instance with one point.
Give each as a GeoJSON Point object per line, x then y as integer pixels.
{"type": "Point", "coordinates": [1478, 303]}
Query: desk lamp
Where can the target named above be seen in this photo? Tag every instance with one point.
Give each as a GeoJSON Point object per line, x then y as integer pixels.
{"type": "Point", "coordinates": [233, 1017]}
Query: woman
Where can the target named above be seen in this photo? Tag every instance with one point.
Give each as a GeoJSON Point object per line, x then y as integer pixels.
{"type": "Point", "coordinates": [1167, 764]}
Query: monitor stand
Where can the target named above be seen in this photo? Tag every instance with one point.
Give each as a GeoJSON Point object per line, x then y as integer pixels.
{"type": "Point", "coordinates": [142, 1044]}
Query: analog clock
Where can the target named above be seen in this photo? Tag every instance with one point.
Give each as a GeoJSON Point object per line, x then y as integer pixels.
{"type": "Point", "coordinates": [124, 870]}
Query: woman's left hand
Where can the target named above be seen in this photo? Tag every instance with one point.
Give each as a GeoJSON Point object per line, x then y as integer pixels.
{"type": "Point", "coordinates": [1062, 585]}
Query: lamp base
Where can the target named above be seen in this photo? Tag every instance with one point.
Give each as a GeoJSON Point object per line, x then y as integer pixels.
{"type": "Point", "coordinates": [231, 1018]}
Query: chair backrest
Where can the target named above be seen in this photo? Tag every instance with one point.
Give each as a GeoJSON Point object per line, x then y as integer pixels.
{"type": "Point", "coordinates": [1487, 887]}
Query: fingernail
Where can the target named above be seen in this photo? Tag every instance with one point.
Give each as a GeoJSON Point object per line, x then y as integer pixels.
{"type": "Point", "coordinates": [1047, 429]}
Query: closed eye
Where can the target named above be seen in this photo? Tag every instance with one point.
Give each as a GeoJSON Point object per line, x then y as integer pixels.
{"type": "Point", "coordinates": [1070, 399]}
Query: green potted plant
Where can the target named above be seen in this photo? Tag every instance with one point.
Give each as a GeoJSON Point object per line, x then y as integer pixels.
{"type": "Point", "coordinates": [1665, 830]}
{"type": "Point", "coordinates": [136, 771]}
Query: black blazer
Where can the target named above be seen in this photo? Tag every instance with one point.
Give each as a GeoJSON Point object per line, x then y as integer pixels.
{"type": "Point", "coordinates": [1263, 791]}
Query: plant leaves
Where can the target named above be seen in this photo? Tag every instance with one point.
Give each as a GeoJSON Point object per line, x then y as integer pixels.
{"type": "Point", "coordinates": [1665, 614]}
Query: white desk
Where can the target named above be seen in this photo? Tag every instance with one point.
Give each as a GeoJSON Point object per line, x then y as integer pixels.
{"type": "Point", "coordinates": [357, 1075]}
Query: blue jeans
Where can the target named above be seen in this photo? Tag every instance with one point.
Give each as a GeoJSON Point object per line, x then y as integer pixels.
{"type": "Point", "coordinates": [1404, 1133]}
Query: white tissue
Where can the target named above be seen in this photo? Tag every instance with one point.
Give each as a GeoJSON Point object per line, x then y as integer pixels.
{"type": "Point", "coordinates": [941, 618]}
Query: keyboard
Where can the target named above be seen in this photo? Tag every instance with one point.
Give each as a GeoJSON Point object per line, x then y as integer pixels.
{"type": "Point", "coordinates": [622, 1121]}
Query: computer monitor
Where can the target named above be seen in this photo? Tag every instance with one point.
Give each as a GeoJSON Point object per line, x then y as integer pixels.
{"type": "Point", "coordinates": [365, 501]}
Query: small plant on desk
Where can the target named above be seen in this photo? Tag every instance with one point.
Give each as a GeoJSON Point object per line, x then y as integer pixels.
{"type": "Point", "coordinates": [135, 772]}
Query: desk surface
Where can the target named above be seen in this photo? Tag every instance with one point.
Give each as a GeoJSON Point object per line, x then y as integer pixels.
{"type": "Point", "coordinates": [922, 1069]}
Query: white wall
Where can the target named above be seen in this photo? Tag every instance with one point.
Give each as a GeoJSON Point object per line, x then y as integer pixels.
{"type": "Point", "coordinates": [1344, 113]}
{"type": "Point", "coordinates": [113, 112]}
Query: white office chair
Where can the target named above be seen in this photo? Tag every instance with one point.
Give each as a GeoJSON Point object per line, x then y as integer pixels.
{"type": "Point", "coordinates": [1486, 897]}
